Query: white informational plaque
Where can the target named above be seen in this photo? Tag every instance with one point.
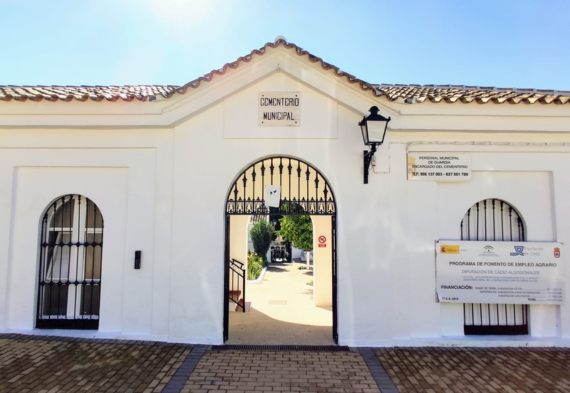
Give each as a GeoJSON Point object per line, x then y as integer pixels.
{"type": "Point", "coordinates": [499, 272]}
{"type": "Point", "coordinates": [439, 166]}
{"type": "Point", "coordinates": [272, 196]}
{"type": "Point", "coordinates": [279, 109]}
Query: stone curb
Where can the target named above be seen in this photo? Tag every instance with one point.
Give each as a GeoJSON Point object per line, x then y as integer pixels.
{"type": "Point", "coordinates": [181, 375]}
{"type": "Point", "coordinates": [377, 370]}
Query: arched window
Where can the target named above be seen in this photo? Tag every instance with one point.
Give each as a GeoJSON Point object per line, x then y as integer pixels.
{"type": "Point", "coordinates": [71, 249]}
{"type": "Point", "coordinates": [494, 220]}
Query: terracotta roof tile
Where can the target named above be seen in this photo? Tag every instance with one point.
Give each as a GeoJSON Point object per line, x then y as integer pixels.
{"type": "Point", "coordinates": [409, 93]}
{"type": "Point", "coordinates": [467, 94]}
{"type": "Point", "coordinates": [84, 93]}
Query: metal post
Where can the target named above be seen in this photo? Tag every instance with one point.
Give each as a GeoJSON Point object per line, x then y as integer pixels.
{"type": "Point", "coordinates": [368, 154]}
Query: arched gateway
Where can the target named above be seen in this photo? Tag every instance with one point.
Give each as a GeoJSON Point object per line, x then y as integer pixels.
{"type": "Point", "coordinates": [303, 190]}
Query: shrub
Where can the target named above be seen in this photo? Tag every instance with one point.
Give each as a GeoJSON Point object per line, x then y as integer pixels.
{"type": "Point", "coordinates": [254, 266]}
{"type": "Point", "coordinates": [261, 234]}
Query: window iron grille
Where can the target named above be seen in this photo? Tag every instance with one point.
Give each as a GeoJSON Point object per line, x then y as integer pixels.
{"type": "Point", "coordinates": [494, 220]}
{"type": "Point", "coordinates": [71, 250]}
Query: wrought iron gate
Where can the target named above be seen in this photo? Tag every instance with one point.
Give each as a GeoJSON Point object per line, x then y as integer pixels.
{"type": "Point", "coordinates": [304, 190]}
{"type": "Point", "coordinates": [494, 220]}
{"type": "Point", "coordinates": [71, 249]}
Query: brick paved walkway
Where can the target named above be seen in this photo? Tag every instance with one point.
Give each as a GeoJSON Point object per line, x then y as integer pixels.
{"type": "Point", "coordinates": [42, 365]}
{"type": "Point", "coordinates": [38, 364]}
{"type": "Point", "coordinates": [478, 369]}
{"type": "Point", "coordinates": [267, 371]}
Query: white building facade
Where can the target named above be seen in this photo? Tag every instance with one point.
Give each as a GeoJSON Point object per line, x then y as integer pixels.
{"type": "Point", "coordinates": [158, 165]}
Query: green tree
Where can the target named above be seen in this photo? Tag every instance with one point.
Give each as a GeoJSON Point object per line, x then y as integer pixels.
{"type": "Point", "coordinates": [297, 230]}
{"type": "Point", "coordinates": [261, 234]}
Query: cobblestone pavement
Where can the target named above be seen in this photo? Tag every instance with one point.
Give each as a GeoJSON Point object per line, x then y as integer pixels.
{"type": "Point", "coordinates": [269, 371]}
{"type": "Point", "coordinates": [478, 369]}
{"type": "Point", "coordinates": [44, 364]}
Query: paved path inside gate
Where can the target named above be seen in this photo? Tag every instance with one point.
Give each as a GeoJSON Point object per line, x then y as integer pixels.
{"type": "Point", "coordinates": [34, 364]}
{"type": "Point", "coordinates": [281, 311]}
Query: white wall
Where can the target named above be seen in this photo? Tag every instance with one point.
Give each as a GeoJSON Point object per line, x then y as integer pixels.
{"type": "Point", "coordinates": [296, 253]}
{"type": "Point", "coordinates": [238, 244]}
{"type": "Point", "coordinates": [529, 192]}
{"type": "Point", "coordinates": [322, 264]}
{"type": "Point", "coordinates": [128, 175]}
{"type": "Point", "coordinates": [29, 209]}
{"type": "Point", "coordinates": [163, 191]}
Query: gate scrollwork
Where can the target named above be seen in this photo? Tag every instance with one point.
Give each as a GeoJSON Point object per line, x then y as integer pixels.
{"type": "Point", "coordinates": [303, 189]}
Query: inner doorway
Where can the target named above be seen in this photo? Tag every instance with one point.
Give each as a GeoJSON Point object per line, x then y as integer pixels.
{"type": "Point", "coordinates": [302, 190]}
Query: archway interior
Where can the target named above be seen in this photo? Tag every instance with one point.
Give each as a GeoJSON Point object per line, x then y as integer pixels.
{"type": "Point", "coordinates": [302, 190]}
{"type": "Point", "coordinates": [289, 304]}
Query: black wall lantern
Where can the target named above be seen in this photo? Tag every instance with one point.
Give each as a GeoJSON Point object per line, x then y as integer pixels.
{"type": "Point", "coordinates": [373, 128]}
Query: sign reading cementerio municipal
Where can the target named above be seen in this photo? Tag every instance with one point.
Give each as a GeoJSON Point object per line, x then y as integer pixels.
{"type": "Point", "coordinates": [439, 166]}
{"type": "Point", "coordinates": [279, 108]}
{"type": "Point", "coordinates": [499, 272]}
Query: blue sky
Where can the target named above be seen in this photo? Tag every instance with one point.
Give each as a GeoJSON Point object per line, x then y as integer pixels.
{"type": "Point", "coordinates": [99, 42]}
